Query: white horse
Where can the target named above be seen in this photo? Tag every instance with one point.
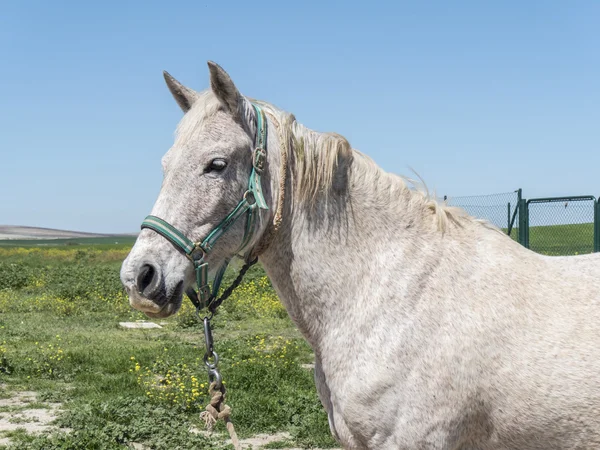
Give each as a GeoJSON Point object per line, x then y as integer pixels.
{"type": "Point", "coordinates": [431, 329]}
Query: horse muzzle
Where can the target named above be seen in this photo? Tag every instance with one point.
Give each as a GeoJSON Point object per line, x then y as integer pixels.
{"type": "Point", "coordinates": [149, 294]}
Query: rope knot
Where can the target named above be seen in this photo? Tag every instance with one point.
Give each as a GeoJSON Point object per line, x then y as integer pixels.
{"type": "Point", "coordinates": [217, 409]}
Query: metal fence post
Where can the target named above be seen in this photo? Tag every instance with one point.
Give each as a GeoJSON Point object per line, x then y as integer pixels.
{"type": "Point", "coordinates": [527, 228]}
{"type": "Point", "coordinates": [523, 222]}
{"type": "Point", "coordinates": [511, 221]}
{"type": "Point", "coordinates": [596, 225]}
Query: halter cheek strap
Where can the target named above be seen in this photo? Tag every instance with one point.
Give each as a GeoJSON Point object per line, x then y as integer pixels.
{"type": "Point", "coordinates": [252, 200]}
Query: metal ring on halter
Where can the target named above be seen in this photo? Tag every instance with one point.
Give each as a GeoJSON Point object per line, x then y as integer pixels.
{"type": "Point", "coordinates": [253, 198]}
{"type": "Point", "coordinates": [211, 366]}
{"type": "Point", "coordinates": [197, 248]}
{"type": "Point", "coordinates": [203, 315]}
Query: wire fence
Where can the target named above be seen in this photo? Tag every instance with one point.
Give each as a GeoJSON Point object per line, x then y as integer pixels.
{"type": "Point", "coordinates": [500, 209]}
{"type": "Point", "coordinates": [551, 226]}
{"type": "Point", "coordinates": [562, 225]}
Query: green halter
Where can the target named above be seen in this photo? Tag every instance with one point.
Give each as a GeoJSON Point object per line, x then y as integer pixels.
{"type": "Point", "coordinates": [252, 200]}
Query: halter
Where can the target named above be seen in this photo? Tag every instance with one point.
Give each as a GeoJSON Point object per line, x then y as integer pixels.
{"type": "Point", "coordinates": [252, 200]}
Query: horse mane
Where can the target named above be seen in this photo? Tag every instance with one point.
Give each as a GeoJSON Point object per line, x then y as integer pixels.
{"type": "Point", "coordinates": [322, 161]}
{"type": "Point", "coordinates": [320, 157]}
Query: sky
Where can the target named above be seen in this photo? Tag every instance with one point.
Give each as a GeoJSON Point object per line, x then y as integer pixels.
{"type": "Point", "coordinates": [476, 97]}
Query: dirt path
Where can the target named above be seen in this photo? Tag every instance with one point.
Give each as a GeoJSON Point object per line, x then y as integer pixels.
{"type": "Point", "coordinates": [257, 442]}
{"type": "Point", "coordinates": [22, 411]}
{"type": "Point", "coordinates": [261, 440]}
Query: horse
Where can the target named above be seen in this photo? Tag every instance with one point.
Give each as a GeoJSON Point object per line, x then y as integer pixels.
{"type": "Point", "coordinates": [431, 329]}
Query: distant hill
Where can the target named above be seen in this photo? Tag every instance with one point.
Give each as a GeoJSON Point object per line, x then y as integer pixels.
{"type": "Point", "coordinates": [10, 232]}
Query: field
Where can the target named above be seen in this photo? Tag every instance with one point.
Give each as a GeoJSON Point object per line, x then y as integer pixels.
{"type": "Point", "coordinates": [574, 239]}
{"type": "Point", "coordinates": [95, 242]}
{"type": "Point", "coordinates": [560, 240]}
{"type": "Point", "coordinates": [63, 351]}
{"type": "Point", "coordinates": [61, 347]}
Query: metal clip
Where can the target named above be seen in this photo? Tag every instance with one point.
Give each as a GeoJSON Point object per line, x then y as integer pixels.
{"type": "Point", "coordinates": [213, 372]}
{"type": "Point", "coordinates": [204, 294]}
{"type": "Point", "coordinates": [208, 338]}
{"type": "Point", "coordinates": [259, 159]}
{"type": "Point", "coordinates": [213, 365]}
{"type": "Point", "coordinates": [215, 375]}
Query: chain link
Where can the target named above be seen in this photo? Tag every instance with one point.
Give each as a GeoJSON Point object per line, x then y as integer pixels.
{"type": "Point", "coordinates": [210, 354]}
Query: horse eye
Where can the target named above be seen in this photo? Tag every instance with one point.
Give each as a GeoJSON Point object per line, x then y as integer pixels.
{"type": "Point", "coordinates": [216, 165]}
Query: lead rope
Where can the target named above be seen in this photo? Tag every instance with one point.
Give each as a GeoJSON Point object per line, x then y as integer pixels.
{"type": "Point", "coordinates": [212, 307]}
{"type": "Point", "coordinates": [217, 409]}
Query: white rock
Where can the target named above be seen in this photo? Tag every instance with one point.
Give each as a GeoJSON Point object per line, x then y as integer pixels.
{"type": "Point", "coordinates": [139, 324]}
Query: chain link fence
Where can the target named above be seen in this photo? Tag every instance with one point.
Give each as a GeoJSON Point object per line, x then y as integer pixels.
{"type": "Point", "coordinates": [501, 210]}
{"type": "Point", "coordinates": [551, 226]}
{"type": "Point", "coordinates": [562, 225]}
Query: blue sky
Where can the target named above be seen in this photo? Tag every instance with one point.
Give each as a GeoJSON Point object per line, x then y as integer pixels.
{"type": "Point", "coordinates": [477, 97]}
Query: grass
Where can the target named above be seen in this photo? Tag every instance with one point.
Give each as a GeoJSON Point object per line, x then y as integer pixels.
{"type": "Point", "coordinates": [560, 240]}
{"type": "Point", "coordinates": [60, 304]}
{"type": "Point", "coordinates": [92, 241]}
{"type": "Point", "coordinates": [574, 239]}
{"type": "Point", "coordinates": [59, 336]}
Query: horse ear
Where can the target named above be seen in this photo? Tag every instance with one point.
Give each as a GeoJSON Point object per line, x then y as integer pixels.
{"type": "Point", "coordinates": [185, 97]}
{"type": "Point", "coordinates": [223, 87]}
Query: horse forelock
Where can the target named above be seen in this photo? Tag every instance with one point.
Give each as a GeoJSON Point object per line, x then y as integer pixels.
{"type": "Point", "coordinates": [206, 106]}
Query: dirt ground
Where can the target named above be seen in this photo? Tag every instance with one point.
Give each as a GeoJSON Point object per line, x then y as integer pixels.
{"type": "Point", "coordinates": [23, 411]}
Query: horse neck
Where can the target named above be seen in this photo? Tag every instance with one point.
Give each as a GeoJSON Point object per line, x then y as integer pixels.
{"type": "Point", "coordinates": [323, 253]}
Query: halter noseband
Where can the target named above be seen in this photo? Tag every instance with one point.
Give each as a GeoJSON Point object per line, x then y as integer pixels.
{"type": "Point", "coordinates": [252, 200]}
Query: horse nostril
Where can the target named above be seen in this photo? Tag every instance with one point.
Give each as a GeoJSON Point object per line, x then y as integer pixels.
{"type": "Point", "coordinates": [147, 280]}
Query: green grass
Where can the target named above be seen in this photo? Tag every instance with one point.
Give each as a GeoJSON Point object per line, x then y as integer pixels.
{"type": "Point", "coordinates": [59, 336]}
{"type": "Point", "coordinates": [560, 240]}
{"type": "Point", "coordinates": [92, 241]}
{"type": "Point", "coordinates": [575, 239]}
{"type": "Point", "coordinates": [60, 304]}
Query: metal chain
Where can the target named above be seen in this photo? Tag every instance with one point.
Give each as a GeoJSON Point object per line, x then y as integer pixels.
{"type": "Point", "coordinates": [210, 354]}
{"type": "Point", "coordinates": [216, 409]}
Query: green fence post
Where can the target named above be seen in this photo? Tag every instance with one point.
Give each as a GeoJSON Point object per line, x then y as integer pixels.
{"type": "Point", "coordinates": [523, 225]}
{"type": "Point", "coordinates": [508, 225]}
{"type": "Point", "coordinates": [597, 225]}
{"type": "Point", "coordinates": [511, 221]}
{"type": "Point", "coordinates": [526, 223]}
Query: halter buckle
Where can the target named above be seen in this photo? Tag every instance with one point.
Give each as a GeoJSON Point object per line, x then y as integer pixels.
{"type": "Point", "coordinates": [259, 159]}
{"type": "Point", "coordinates": [204, 294]}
